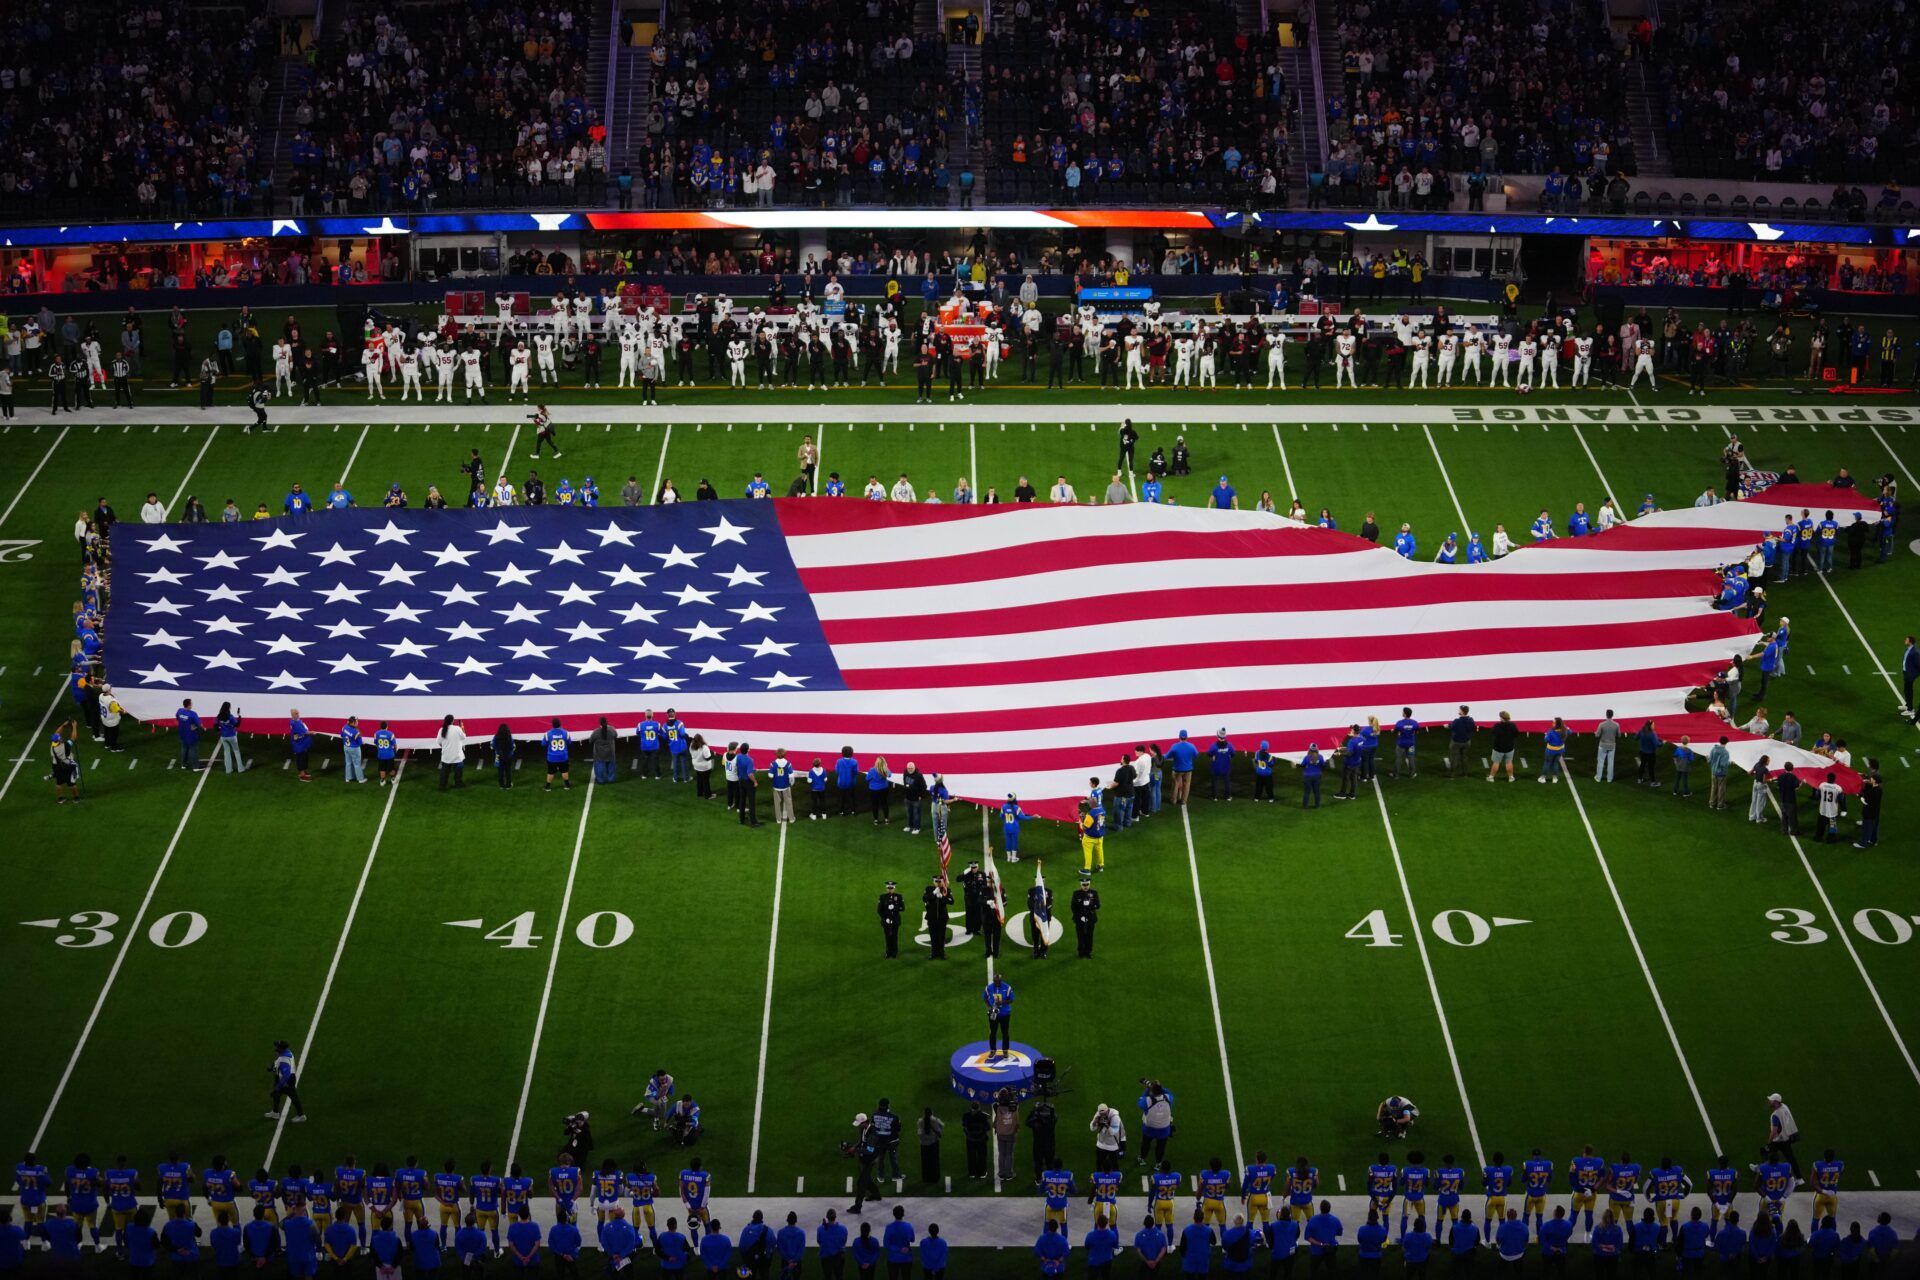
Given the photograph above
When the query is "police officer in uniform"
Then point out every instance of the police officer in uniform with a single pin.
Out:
(973, 891)
(1086, 914)
(891, 907)
(1039, 916)
(122, 386)
(938, 900)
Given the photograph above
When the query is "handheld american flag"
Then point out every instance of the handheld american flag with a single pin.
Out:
(997, 646)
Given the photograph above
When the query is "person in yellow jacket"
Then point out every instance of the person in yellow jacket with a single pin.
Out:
(1093, 837)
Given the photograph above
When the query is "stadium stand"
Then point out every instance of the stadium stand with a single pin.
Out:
(1114, 104)
(1419, 94)
(468, 103)
(797, 102)
(128, 107)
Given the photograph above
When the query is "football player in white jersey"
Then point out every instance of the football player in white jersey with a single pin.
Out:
(1501, 343)
(737, 362)
(370, 361)
(1136, 366)
(518, 362)
(1343, 349)
(1422, 358)
(410, 374)
(543, 344)
(1276, 358)
(283, 368)
(1643, 363)
(475, 384)
(1207, 345)
(1183, 361)
(1550, 360)
(1582, 361)
(1449, 355)
(443, 361)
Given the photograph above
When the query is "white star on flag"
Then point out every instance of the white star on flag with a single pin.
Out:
(165, 542)
(638, 613)
(520, 613)
(352, 630)
(592, 667)
(284, 610)
(162, 637)
(769, 647)
(668, 559)
(340, 592)
(337, 554)
(406, 647)
(451, 554)
(614, 533)
(280, 577)
(465, 631)
(513, 573)
(625, 576)
(712, 665)
(162, 605)
(396, 572)
(286, 680)
(649, 649)
(563, 554)
(536, 683)
(347, 662)
(703, 631)
(231, 626)
(167, 576)
(504, 532)
(781, 680)
(757, 612)
(220, 560)
(574, 594)
(469, 665)
(231, 662)
(658, 681)
(581, 631)
(392, 532)
(740, 575)
(284, 643)
(158, 675)
(691, 595)
(412, 681)
(458, 593)
(402, 612)
(278, 538)
(528, 649)
(727, 531)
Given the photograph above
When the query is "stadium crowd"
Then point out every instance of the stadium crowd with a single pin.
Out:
(477, 103)
(1110, 103)
(798, 102)
(132, 108)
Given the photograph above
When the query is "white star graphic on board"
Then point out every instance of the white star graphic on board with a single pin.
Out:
(350, 663)
(278, 538)
(157, 675)
(224, 623)
(402, 612)
(220, 560)
(703, 631)
(284, 643)
(668, 559)
(581, 631)
(224, 592)
(465, 631)
(638, 613)
(412, 681)
(1761, 231)
(574, 594)
(470, 665)
(344, 628)
(712, 665)
(550, 221)
(287, 680)
(391, 532)
(385, 227)
(512, 573)
(651, 650)
(691, 595)
(287, 225)
(165, 542)
(563, 553)
(1373, 223)
(284, 610)
(781, 680)
(406, 647)
(336, 554)
(231, 662)
(536, 683)
(395, 572)
(167, 576)
(592, 667)
(770, 647)
(280, 577)
(625, 576)
(162, 605)
(458, 593)
(614, 533)
(658, 681)
(741, 575)
(451, 554)
(163, 638)
(727, 531)
(504, 532)
(757, 612)
(340, 591)
(520, 613)
(528, 649)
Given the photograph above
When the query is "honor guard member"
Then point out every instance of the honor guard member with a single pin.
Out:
(973, 893)
(1039, 916)
(938, 901)
(890, 908)
(1086, 914)
(992, 927)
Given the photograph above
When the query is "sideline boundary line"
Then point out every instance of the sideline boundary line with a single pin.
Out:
(1466, 526)
(1213, 990)
(766, 1012)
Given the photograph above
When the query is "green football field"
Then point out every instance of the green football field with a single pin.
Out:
(1534, 966)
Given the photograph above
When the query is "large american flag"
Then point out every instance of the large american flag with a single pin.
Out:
(1014, 649)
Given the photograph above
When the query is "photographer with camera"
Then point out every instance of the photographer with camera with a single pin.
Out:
(1156, 1120)
(579, 1143)
(1109, 1138)
(866, 1148)
(683, 1122)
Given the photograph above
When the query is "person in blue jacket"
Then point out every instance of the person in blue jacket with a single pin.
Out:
(563, 1242)
(1350, 752)
(1369, 747)
(846, 775)
(1476, 550)
(865, 1250)
(933, 1254)
(830, 1238)
(618, 1240)
(679, 741)
(1649, 1234)
(1464, 1237)
(1769, 662)
(1416, 1246)
(1183, 754)
(670, 1246)
(1263, 772)
(188, 721)
(301, 1241)
(470, 1241)
(1372, 1240)
(227, 1243)
(817, 791)
(650, 737)
(1220, 768)
(140, 1244)
(756, 1243)
(790, 1246)
(1236, 1247)
(1449, 552)
(1196, 1246)
(880, 792)
(1312, 765)
(1405, 544)
(716, 1250)
(1543, 527)
(226, 724)
(300, 743)
(898, 1240)
(1511, 1237)
(260, 1237)
(523, 1242)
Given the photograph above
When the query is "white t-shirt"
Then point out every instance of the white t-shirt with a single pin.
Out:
(153, 513)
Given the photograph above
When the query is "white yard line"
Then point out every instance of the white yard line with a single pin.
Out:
(1846, 938)
(33, 741)
(766, 1013)
(1898, 461)
(1606, 485)
(660, 472)
(1285, 466)
(993, 873)
(188, 478)
(1466, 526)
(34, 474)
(346, 470)
(512, 442)
(339, 949)
(819, 457)
(546, 992)
(1419, 931)
(973, 459)
(1213, 991)
(1673, 1037)
(131, 932)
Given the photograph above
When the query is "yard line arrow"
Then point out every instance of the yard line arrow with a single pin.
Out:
(41, 924)
(465, 924)
(1500, 920)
